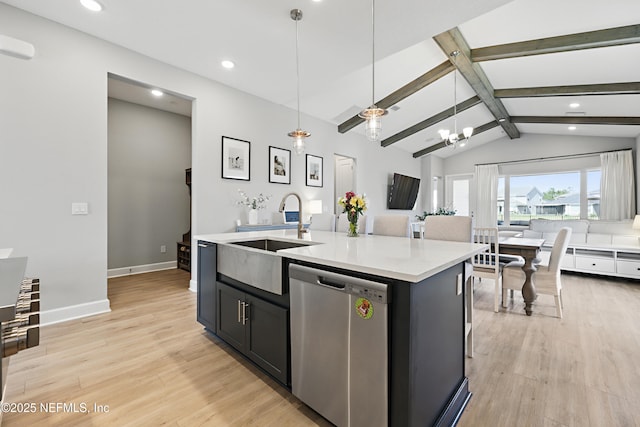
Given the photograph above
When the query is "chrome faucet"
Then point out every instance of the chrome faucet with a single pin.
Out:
(300, 229)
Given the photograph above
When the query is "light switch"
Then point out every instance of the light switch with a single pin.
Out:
(80, 208)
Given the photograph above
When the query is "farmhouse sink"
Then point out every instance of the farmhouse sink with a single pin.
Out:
(270, 245)
(255, 262)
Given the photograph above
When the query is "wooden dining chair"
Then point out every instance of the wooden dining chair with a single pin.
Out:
(546, 278)
(489, 264)
(455, 228)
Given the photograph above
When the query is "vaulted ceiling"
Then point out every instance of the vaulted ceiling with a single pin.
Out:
(502, 69)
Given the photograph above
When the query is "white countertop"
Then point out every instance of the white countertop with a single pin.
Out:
(400, 258)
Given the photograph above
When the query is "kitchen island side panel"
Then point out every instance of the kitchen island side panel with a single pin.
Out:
(428, 382)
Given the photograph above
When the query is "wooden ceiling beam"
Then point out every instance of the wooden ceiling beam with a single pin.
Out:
(485, 127)
(443, 115)
(631, 88)
(451, 41)
(588, 40)
(578, 120)
(402, 93)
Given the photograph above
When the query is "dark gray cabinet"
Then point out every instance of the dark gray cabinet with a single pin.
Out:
(255, 327)
(206, 311)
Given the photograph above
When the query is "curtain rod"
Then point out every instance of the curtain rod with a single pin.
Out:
(573, 156)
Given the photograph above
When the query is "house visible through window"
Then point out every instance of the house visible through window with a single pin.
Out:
(553, 196)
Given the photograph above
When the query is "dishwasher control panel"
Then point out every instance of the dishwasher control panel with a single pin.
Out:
(371, 293)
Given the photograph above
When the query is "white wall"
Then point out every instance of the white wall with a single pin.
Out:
(53, 116)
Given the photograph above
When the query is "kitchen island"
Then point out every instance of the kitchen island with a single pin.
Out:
(426, 322)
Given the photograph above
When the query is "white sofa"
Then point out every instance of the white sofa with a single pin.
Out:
(600, 247)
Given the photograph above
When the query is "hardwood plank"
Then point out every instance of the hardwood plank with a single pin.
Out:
(152, 364)
(587, 40)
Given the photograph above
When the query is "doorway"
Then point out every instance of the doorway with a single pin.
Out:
(345, 179)
(148, 154)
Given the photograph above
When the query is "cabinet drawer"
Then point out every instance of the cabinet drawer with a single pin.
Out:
(595, 264)
(630, 268)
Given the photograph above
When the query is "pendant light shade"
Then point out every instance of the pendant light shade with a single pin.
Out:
(298, 135)
(373, 114)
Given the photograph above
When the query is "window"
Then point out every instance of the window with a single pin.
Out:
(553, 196)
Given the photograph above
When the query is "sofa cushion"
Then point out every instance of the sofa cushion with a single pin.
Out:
(623, 227)
(548, 225)
(598, 239)
(578, 239)
(528, 234)
(549, 238)
(632, 241)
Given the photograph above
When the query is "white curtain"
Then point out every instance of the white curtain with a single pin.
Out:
(617, 191)
(486, 196)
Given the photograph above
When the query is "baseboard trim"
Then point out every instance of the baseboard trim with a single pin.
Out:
(193, 285)
(137, 269)
(57, 315)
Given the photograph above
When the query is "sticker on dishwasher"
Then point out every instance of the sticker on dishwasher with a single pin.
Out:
(364, 308)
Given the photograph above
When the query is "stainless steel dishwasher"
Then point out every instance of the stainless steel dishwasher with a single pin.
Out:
(339, 346)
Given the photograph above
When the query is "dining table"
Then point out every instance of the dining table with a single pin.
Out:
(529, 249)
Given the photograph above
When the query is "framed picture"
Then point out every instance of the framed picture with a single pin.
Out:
(279, 165)
(314, 171)
(236, 158)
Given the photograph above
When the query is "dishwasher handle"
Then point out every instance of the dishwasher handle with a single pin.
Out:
(322, 280)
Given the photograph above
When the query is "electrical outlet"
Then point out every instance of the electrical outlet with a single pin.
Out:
(163, 249)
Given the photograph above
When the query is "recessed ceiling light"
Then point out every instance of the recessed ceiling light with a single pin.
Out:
(157, 92)
(574, 105)
(501, 119)
(228, 64)
(572, 128)
(92, 5)
(316, 1)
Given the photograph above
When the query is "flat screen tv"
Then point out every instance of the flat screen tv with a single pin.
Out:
(403, 192)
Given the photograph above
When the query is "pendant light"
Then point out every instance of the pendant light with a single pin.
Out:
(449, 138)
(298, 135)
(373, 114)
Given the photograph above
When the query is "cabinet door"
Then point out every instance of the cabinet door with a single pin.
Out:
(267, 341)
(206, 312)
(231, 326)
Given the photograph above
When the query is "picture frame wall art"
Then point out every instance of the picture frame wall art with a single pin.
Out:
(236, 159)
(279, 165)
(314, 171)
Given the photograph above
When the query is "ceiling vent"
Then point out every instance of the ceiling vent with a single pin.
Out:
(394, 108)
(575, 113)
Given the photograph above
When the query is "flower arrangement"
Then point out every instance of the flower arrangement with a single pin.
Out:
(439, 211)
(257, 202)
(353, 205)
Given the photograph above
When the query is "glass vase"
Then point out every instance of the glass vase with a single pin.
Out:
(353, 228)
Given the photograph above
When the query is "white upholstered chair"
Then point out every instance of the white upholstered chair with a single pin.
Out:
(448, 227)
(488, 264)
(391, 225)
(323, 221)
(457, 229)
(342, 224)
(546, 278)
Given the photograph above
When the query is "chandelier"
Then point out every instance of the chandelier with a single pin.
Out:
(298, 135)
(373, 114)
(453, 138)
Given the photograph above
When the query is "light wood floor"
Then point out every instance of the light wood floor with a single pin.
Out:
(152, 364)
